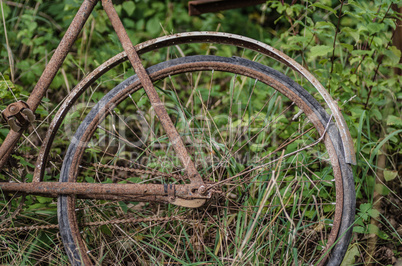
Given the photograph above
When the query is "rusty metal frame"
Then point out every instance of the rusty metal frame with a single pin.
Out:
(190, 37)
(54, 189)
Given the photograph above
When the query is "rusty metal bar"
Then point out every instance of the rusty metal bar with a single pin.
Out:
(96, 190)
(210, 6)
(50, 72)
(156, 102)
(111, 197)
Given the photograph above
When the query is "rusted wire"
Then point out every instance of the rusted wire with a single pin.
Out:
(100, 223)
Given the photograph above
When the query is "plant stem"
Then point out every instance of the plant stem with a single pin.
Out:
(370, 42)
(376, 71)
(336, 34)
(378, 190)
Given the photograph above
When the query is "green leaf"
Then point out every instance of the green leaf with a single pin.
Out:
(378, 41)
(153, 26)
(90, 179)
(23, 161)
(5, 84)
(329, 208)
(129, 7)
(43, 199)
(377, 148)
(358, 229)
(357, 111)
(373, 213)
(349, 47)
(393, 55)
(320, 50)
(106, 230)
(123, 206)
(324, 25)
(373, 229)
(365, 207)
(376, 113)
(390, 175)
(381, 189)
(36, 207)
(319, 5)
(350, 255)
(134, 179)
(352, 33)
(108, 181)
(362, 52)
(394, 121)
(118, 9)
(374, 27)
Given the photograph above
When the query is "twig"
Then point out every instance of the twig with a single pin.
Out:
(377, 196)
(368, 44)
(9, 52)
(336, 34)
(376, 71)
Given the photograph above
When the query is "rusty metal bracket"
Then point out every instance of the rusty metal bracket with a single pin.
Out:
(188, 202)
(195, 203)
(18, 115)
(171, 191)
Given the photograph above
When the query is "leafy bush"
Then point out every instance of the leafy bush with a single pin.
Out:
(348, 46)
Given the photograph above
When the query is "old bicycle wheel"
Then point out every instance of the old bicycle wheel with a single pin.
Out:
(282, 193)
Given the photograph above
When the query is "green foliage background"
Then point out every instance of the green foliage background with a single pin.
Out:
(347, 46)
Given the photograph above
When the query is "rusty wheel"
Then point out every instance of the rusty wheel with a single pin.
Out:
(268, 151)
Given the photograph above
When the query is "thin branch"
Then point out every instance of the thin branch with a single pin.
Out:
(336, 34)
